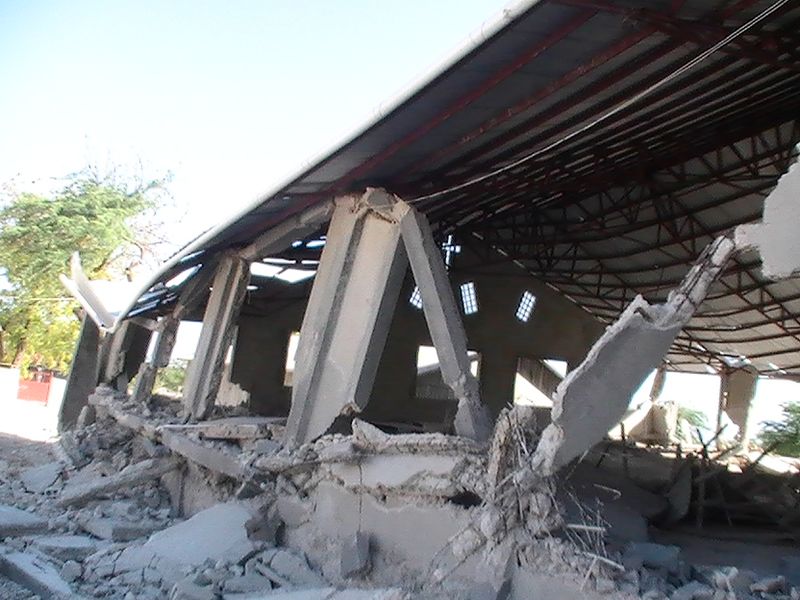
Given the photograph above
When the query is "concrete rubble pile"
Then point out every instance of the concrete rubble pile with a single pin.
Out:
(148, 507)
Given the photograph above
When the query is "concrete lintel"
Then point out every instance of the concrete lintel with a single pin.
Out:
(348, 315)
(444, 322)
(281, 236)
(205, 371)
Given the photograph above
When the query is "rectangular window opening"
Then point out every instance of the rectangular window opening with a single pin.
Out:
(416, 298)
(525, 307)
(469, 298)
(291, 351)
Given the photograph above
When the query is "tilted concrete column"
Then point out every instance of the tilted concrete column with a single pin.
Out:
(219, 320)
(737, 389)
(83, 374)
(123, 352)
(348, 315)
(167, 332)
(444, 322)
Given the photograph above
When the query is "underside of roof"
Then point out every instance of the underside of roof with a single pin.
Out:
(573, 143)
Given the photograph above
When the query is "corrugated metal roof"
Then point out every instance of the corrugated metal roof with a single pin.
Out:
(622, 208)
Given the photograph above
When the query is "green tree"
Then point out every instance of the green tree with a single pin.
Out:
(105, 218)
(783, 437)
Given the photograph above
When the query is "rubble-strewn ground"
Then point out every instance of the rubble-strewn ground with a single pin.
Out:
(102, 519)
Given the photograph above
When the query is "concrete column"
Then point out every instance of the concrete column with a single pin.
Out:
(737, 389)
(167, 331)
(83, 374)
(348, 315)
(498, 372)
(219, 320)
(125, 351)
(444, 322)
(658, 384)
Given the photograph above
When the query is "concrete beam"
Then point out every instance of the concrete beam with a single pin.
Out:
(206, 370)
(348, 315)
(83, 374)
(594, 397)
(444, 322)
(281, 236)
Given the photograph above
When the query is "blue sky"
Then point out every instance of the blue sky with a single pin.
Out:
(231, 97)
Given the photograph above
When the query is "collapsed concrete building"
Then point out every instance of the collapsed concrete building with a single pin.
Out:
(592, 182)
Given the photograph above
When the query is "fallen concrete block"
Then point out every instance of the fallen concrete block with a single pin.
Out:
(217, 533)
(295, 568)
(769, 585)
(250, 582)
(132, 475)
(66, 547)
(34, 574)
(70, 571)
(188, 590)
(118, 530)
(14, 522)
(655, 556)
(38, 479)
(354, 556)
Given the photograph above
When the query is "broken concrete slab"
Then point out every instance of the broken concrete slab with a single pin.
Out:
(217, 533)
(294, 568)
(412, 472)
(39, 479)
(66, 547)
(35, 574)
(775, 238)
(593, 397)
(15, 522)
(132, 475)
(231, 428)
(118, 530)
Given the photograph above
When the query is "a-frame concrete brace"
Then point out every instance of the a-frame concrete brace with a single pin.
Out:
(350, 309)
